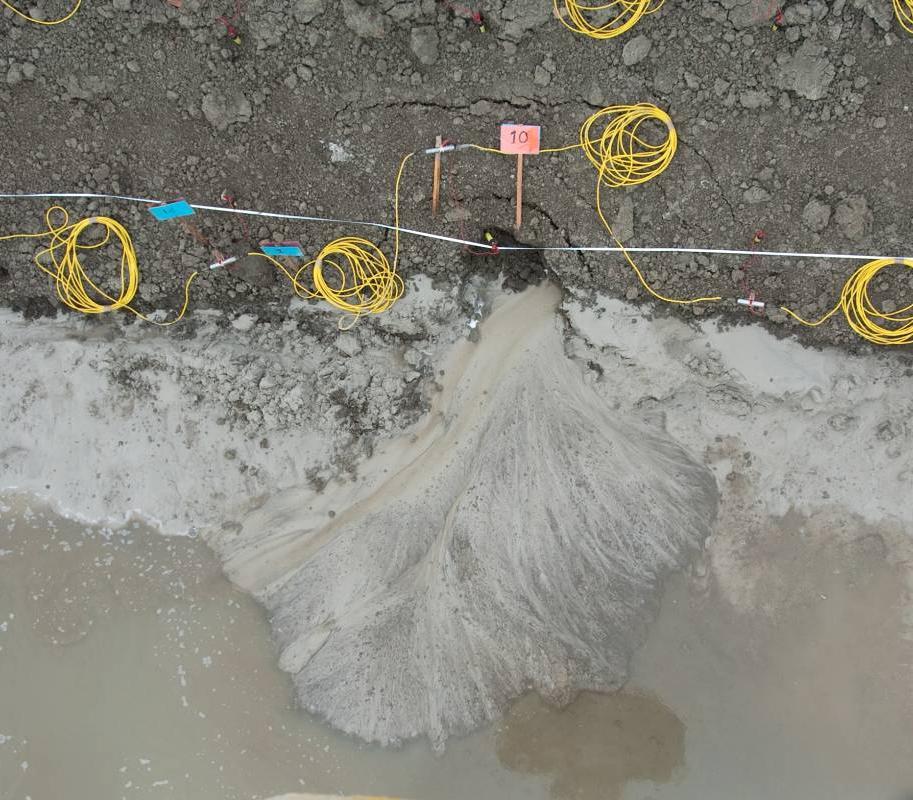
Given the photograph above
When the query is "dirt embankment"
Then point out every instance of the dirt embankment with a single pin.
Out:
(801, 131)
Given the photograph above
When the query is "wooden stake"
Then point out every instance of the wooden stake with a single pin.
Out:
(518, 218)
(436, 186)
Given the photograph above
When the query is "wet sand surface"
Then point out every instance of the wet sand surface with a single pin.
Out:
(130, 667)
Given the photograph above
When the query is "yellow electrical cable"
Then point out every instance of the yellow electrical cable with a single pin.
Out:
(46, 22)
(904, 11)
(361, 279)
(74, 287)
(619, 16)
(623, 156)
(860, 312)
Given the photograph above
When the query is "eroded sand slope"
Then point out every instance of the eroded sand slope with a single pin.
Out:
(515, 540)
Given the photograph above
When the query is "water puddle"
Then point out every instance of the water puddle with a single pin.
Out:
(594, 747)
(131, 668)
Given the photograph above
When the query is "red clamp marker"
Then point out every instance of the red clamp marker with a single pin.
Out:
(229, 22)
(492, 244)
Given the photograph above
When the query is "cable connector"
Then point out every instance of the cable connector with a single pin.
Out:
(751, 303)
(224, 262)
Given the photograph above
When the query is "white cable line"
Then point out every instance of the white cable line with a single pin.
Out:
(453, 240)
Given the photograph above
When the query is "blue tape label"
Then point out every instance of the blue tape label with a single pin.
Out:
(282, 249)
(179, 208)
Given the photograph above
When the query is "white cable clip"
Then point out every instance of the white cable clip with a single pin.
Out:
(750, 303)
(445, 149)
(224, 263)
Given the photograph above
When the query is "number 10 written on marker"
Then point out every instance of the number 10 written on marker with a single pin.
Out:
(520, 139)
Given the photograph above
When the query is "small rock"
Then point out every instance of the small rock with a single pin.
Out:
(222, 109)
(347, 344)
(423, 40)
(754, 99)
(101, 173)
(808, 72)
(254, 271)
(243, 323)
(816, 215)
(307, 10)
(624, 220)
(365, 22)
(853, 217)
(636, 50)
(756, 194)
(518, 17)
(480, 108)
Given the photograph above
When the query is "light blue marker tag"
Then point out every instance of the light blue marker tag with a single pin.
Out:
(283, 249)
(179, 208)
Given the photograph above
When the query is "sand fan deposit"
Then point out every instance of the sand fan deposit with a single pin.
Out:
(515, 538)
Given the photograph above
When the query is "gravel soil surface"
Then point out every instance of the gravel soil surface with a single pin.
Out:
(805, 131)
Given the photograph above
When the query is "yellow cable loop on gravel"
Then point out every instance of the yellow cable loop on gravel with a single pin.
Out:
(624, 156)
(904, 11)
(352, 274)
(46, 22)
(615, 17)
(871, 323)
(74, 287)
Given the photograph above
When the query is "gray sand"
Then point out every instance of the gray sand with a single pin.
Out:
(207, 431)
(514, 540)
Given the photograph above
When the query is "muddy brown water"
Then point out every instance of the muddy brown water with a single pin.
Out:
(130, 668)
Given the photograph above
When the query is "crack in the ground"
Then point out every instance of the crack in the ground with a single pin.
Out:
(713, 177)
(561, 231)
(432, 104)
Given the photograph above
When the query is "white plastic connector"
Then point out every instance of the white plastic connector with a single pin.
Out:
(750, 303)
(224, 263)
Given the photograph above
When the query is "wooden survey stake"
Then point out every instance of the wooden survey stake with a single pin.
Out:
(436, 186)
(518, 217)
(522, 140)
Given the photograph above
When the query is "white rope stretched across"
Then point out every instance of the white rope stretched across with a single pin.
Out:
(454, 240)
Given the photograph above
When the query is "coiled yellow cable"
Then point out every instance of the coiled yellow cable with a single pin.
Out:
(623, 156)
(860, 311)
(46, 22)
(74, 287)
(621, 16)
(361, 279)
(904, 11)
